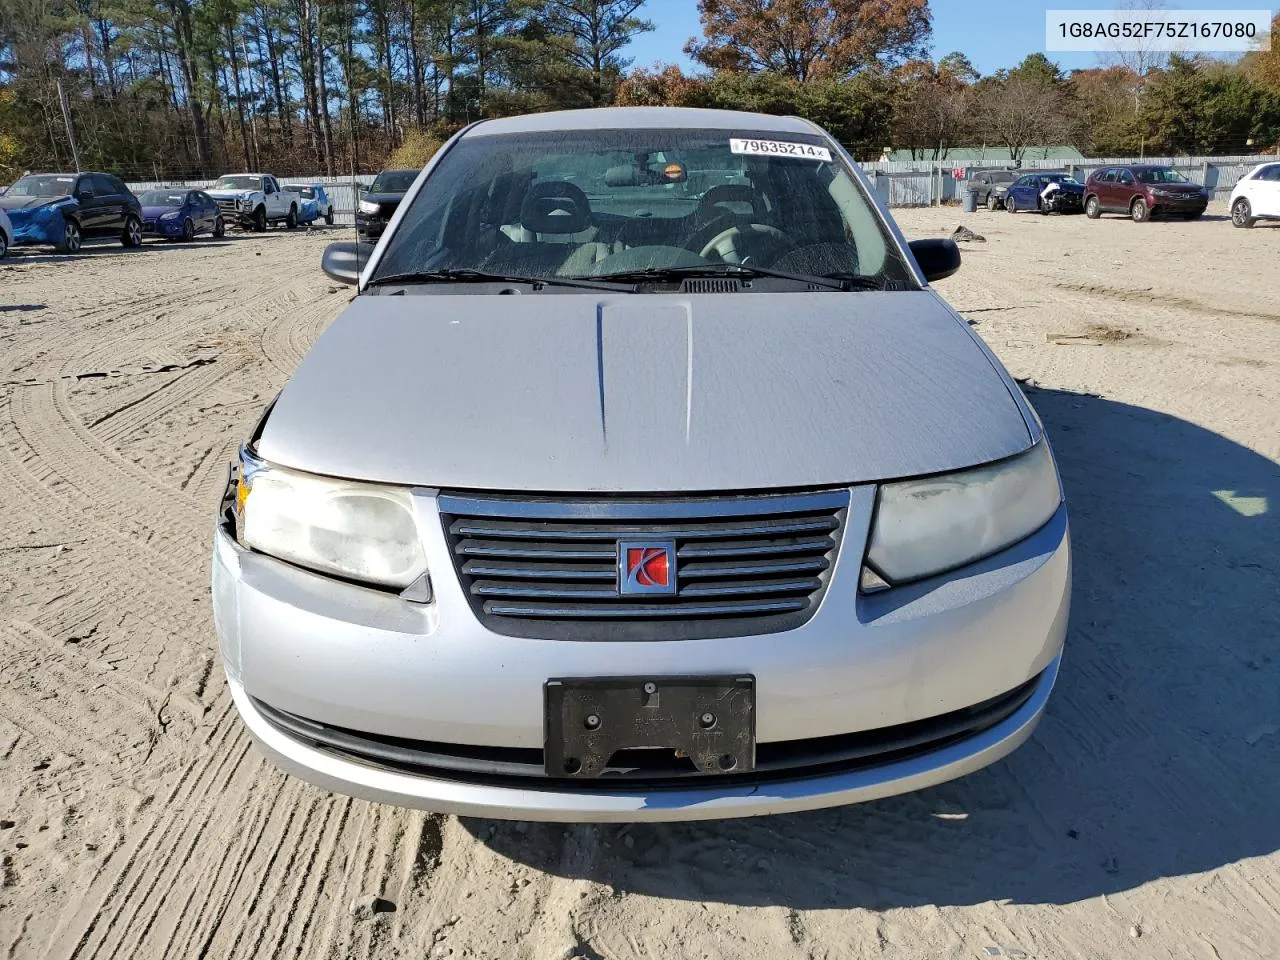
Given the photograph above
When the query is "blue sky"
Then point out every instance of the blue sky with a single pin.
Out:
(992, 33)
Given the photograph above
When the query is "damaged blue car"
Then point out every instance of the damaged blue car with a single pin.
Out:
(65, 209)
(177, 213)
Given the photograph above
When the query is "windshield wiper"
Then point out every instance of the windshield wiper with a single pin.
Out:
(848, 281)
(462, 275)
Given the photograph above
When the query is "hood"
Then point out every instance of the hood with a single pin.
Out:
(1071, 187)
(229, 194)
(644, 393)
(27, 203)
(153, 213)
(390, 199)
(1193, 189)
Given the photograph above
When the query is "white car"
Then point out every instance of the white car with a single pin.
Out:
(255, 199)
(6, 234)
(1257, 196)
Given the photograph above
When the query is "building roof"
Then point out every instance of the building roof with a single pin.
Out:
(992, 156)
(637, 118)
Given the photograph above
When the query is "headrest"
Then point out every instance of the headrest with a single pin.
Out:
(555, 206)
(730, 193)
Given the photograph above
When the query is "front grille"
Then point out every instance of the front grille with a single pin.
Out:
(548, 567)
(227, 206)
(651, 769)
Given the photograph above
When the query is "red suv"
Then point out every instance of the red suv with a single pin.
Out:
(1143, 191)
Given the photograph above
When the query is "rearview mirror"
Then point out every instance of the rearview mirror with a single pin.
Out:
(938, 258)
(343, 261)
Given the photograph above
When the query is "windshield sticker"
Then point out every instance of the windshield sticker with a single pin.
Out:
(778, 148)
(65, 179)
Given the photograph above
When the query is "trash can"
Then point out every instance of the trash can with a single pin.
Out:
(970, 202)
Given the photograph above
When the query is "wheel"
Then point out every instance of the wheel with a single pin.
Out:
(1092, 209)
(70, 238)
(328, 217)
(1139, 210)
(4, 244)
(1010, 204)
(260, 219)
(219, 227)
(992, 203)
(1242, 213)
(188, 230)
(291, 221)
(131, 235)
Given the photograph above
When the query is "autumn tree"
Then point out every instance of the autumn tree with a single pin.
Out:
(808, 39)
(1029, 105)
(1263, 66)
(1108, 97)
(930, 112)
(663, 86)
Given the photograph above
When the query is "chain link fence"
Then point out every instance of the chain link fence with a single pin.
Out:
(344, 192)
(899, 183)
(923, 183)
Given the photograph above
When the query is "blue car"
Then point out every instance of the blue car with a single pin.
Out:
(63, 209)
(1045, 192)
(180, 214)
(315, 202)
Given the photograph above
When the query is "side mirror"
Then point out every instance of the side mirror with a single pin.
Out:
(343, 261)
(938, 258)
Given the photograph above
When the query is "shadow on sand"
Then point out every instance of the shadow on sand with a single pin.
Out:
(1159, 755)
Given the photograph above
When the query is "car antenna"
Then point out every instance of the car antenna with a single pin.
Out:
(355, 206)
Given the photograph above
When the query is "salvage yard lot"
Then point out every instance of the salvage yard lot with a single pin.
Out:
(136, 819)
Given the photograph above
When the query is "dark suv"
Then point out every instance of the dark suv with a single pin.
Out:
(64, 209)
(1143, 191)
(380, 203)
(991, 185)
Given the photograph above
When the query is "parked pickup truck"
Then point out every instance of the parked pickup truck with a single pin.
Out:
(255, 199)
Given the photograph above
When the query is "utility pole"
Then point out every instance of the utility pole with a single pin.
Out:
(66, 117)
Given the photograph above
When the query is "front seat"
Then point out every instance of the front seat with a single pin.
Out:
(552, 214)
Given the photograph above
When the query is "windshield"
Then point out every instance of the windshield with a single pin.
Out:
(49, 185)
(238, 183)
(308, 193)
(1161, 175)
(162, 198)
(1060, 178)
(394, 181)
(600, 202)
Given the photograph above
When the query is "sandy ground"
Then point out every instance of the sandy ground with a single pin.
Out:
(137, 820)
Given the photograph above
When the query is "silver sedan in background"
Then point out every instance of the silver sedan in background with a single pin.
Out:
(646, 478)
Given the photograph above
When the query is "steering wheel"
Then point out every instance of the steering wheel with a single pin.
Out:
(733, 246)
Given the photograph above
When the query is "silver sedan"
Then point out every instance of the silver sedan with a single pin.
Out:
(646, 478)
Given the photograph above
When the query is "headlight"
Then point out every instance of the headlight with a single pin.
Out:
(928, 526)
(171, 215)
(361, 531)
(368, 207)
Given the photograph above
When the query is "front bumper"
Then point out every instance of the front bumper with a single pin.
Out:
(39, 226)
(367, 661)
(369, 227)
(1192, 204)
(162, 228)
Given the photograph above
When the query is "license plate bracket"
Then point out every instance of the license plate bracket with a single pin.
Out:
(711, 720)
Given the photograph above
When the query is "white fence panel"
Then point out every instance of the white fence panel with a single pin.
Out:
(343, 191)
